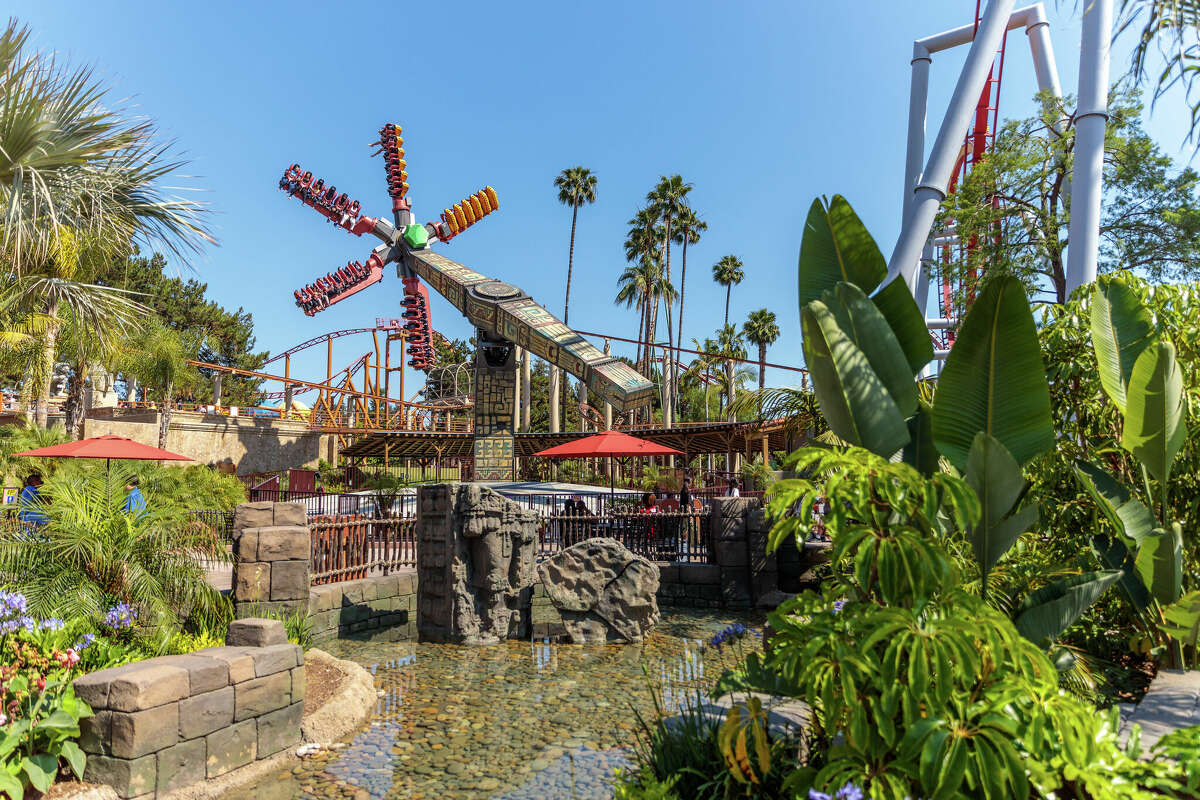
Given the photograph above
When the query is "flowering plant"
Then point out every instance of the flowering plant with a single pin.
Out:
(39, 713)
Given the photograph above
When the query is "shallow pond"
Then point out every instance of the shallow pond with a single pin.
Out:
(509, 721)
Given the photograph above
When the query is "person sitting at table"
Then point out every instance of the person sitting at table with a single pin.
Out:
(33, 504)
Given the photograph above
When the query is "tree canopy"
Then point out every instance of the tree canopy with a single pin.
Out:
(183, 306)
(1015, 203)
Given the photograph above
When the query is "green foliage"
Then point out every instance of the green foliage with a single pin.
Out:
(689, 755)
(19, 438)
(182, 306)
(1149, 221)
(39, 717)
(92, 553)
(994, 380)
(919, 689)
(991, 411)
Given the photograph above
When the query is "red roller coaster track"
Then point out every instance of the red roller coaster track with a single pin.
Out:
(979, 139)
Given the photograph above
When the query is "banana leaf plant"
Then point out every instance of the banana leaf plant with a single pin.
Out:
(866, 345)
(1141, 377)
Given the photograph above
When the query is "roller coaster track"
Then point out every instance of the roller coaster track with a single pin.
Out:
(318, 340)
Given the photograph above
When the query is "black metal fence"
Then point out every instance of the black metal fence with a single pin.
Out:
(667, 536)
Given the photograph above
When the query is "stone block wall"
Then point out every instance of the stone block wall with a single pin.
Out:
(170, 722)
(271, 549)
(690, 585)
(379, 608)
(738, 538)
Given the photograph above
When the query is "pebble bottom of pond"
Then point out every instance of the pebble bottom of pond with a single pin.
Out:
(510, 721)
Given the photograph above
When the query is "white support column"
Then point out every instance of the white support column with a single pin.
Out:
(526, 386)
(918, 100)
(555, 396)
(1044, 65)
(1091, 118)
(935, 178)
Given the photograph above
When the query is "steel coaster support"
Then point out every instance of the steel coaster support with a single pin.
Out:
(1091, 120)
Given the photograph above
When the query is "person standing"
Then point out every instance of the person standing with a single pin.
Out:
(733, 490)
(135, 501)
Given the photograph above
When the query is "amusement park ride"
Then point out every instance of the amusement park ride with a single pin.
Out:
(504, 316)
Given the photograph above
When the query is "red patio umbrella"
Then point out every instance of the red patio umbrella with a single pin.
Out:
(609, 443)
(107, 447)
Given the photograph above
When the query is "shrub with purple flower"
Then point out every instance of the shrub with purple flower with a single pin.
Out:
(847, 792)
(732, 633)
(120, 617)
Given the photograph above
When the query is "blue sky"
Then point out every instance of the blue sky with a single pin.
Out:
(761, 105)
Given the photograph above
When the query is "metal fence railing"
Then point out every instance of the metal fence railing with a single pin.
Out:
(351, 546)
(666, 536)
(220, 522)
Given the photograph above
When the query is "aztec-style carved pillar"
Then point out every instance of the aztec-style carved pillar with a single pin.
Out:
(495, 407)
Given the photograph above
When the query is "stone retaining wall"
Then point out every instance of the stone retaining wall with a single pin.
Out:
(690, 585)
(170, 722)
(380, 608)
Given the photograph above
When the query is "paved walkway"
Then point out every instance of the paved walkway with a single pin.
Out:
(1172, 703)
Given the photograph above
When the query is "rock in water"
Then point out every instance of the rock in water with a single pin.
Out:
(603, 592)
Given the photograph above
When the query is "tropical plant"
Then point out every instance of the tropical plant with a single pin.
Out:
(991, 412)
(1138, 371)
(72, 162)
(668, 199)
(57, 291)
(19, 438)
(643, 249)
(918, 688)
(576, 187)
(1170, 27)
(728, 272)
(761, 330)
(93, 554)
(158, 358)
(688, 229)
(731, 345)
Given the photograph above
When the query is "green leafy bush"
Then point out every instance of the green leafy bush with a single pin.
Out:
(918, 688)
(93, 554)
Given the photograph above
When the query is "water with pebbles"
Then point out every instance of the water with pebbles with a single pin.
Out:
(510, 721)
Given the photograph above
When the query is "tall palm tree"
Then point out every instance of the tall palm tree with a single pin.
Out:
(633, 291)
(728, 272)
(58, 289)
(668, 199)
(760, 329)
(687, 231)
(643, 246)
(576, 187)
(730, 345)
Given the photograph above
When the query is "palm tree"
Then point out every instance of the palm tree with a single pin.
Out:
(760, 329)
(576, 186)
(159, 359)
(633, 287)
(687, 231)
(93, 554)
(728, 272)
(57, 290)
(643, 247)
(71, 161)
(730, 345)
(667, 199)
